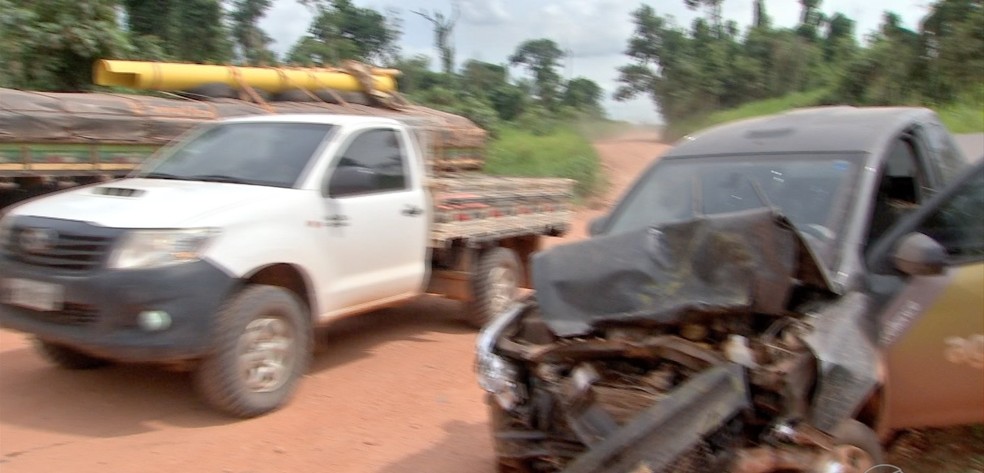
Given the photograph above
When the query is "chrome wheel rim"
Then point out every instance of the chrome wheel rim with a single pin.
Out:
(503, 289)
(265, 359)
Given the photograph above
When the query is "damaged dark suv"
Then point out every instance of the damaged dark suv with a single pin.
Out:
(778, 294)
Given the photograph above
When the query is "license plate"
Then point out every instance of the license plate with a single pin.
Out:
(31, 294)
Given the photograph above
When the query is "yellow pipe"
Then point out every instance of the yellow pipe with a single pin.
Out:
(176, 76)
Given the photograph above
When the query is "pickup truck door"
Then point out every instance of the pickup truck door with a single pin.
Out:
(377, 224)
(933, 324)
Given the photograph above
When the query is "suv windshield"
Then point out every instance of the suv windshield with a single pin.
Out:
(811, 191)
(267, 154)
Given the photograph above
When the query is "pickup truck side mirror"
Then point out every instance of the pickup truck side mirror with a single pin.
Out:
(352, 180)
(919, 255)
(597, 224)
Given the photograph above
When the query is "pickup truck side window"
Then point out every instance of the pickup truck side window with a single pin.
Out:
(958, 224)
(378, 153)
(900, 188)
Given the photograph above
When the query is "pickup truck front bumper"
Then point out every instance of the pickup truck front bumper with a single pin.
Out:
(99, 309)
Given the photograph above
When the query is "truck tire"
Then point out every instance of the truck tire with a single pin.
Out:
(68, 358)
(856, 449)
(261, 349)
(494, 285)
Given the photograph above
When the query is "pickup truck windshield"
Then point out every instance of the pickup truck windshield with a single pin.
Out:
(811, 191)
(266, 154)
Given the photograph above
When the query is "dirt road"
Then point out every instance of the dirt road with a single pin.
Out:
(388, 392)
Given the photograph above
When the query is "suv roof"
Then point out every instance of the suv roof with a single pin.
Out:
(819, 129)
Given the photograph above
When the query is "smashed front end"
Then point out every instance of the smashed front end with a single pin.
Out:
(713, 344)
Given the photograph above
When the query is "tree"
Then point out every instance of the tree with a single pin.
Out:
(416, 75)
(760, 19)
(443, 28)
(343, 31)
(811, 20)
(199, 33)
(883, 73)
(839, 42)
(541, 56)
(483, 77)
(189, 30)
(713, 8)
(253, 43)
(51, 44)
(952, 43)
(584, 95)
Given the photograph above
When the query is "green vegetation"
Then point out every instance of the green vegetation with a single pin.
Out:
(692, 73)
(560, 152)
(51, 45)
(748, 110)
(963, 116)
(710, 71)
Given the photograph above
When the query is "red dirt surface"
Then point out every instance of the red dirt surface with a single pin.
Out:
(388, 392)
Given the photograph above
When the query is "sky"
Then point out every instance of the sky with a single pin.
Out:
(594, 32)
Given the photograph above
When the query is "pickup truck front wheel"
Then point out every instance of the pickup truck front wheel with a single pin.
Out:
(856, 450)
(261, 349)
(495, 285)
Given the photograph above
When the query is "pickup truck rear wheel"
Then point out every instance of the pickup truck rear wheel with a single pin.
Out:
(495, 285)
(261, 349)
(68, 358)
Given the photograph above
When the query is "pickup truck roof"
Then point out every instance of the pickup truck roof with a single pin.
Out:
(820, 129)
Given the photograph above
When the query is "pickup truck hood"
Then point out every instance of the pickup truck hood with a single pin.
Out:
(145, 203)
(746, 261)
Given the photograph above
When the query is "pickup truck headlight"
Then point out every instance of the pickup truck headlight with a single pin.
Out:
(501, 379)
(496, 375)
(156, 248)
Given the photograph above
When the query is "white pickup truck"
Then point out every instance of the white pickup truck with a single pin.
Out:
(225, 250)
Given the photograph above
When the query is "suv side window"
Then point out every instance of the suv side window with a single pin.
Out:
(900, 188)
(958, 224)
(381, 153)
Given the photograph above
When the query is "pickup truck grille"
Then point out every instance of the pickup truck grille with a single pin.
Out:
(59, 244)
(72, 313)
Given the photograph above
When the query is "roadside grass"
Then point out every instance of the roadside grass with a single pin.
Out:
(966, 115)
(560, 152)
(748, 110)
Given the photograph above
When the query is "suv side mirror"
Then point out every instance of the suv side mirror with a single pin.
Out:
(597, 224)
(352, 180)
(919, 255)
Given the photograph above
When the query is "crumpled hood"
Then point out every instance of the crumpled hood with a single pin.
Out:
(712, 265)
(145, 203)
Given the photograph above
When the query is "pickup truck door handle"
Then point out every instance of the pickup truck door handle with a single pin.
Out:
(336, 220)
(412, 211)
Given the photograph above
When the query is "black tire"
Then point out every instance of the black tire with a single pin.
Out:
(494, 285)
(68, 358)
(857, 447)
(265, 311)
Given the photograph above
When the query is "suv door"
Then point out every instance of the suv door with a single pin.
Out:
(932, 327)
(374, 207)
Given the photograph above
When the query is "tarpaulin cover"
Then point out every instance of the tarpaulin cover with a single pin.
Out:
(746, 261)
